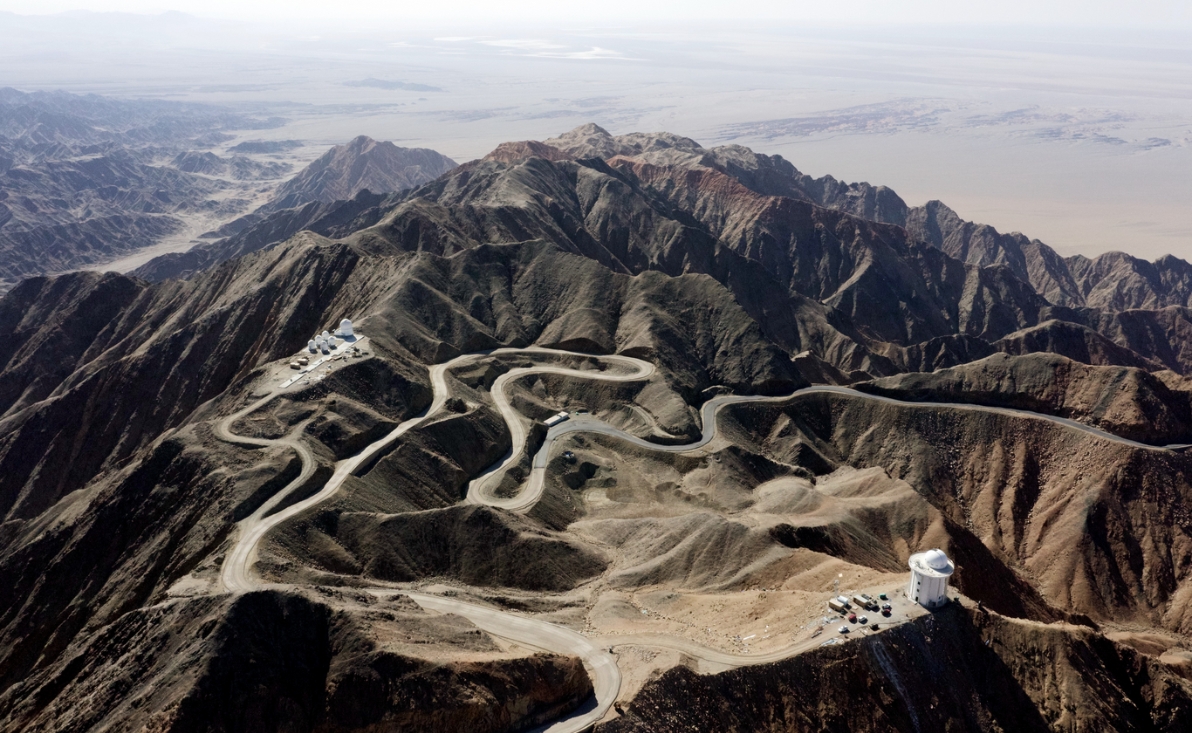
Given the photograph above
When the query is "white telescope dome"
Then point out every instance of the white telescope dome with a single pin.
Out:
(311, 345)
(936, 559)
(325, 335)
(345, 328)
(929, 578)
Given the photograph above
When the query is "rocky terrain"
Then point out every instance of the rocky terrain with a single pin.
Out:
(86, 179)
(339, 193)
(956, 671)
(1125, 401)
(725, 272)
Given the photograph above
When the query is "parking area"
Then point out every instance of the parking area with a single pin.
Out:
(864, 612)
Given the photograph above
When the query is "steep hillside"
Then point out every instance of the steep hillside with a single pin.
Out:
(1114, 281)
(124, 501)
(1096, 527)
(860, 295)
(957, 670)
(1124, 401)
(360, 165)
(335, 195)
(286, 661)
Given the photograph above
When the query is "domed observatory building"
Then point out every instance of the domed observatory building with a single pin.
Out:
(345, 330)
(929, 578)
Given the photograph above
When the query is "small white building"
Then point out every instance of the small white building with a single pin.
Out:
(929, 578)
(345, 329)
(554, 420)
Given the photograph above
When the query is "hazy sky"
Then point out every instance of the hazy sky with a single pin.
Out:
(1111, 13)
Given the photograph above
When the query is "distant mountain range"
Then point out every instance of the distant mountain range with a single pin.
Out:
(86, 179)
(346, 180)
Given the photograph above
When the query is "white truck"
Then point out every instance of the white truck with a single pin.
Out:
(554, 420)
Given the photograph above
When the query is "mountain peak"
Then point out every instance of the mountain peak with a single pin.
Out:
(362, 163)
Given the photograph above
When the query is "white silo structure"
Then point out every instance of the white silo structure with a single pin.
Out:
(312, 346)
(929, 578)
(345, 329)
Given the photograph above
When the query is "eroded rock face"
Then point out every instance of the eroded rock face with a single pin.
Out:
(1128, 402)
(359, 165)
(1098, 526)
(956, 670)
(726, 270)
(287, 661)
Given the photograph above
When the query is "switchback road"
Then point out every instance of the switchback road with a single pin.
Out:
(237, 573)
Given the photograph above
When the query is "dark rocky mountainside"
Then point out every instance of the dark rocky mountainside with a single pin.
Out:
(811, 261)
(727, 271)
(164, 351)
(285, 661)
(1113, 281)
(960, 671)
(332, 196)
(359, 165)
(1124, 401)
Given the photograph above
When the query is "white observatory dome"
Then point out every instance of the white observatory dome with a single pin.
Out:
(345, 328)
(312, 346)
(929, 578)
(326, 336)
(936, 559)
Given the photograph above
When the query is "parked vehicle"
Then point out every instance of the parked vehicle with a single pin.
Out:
(844, 629)
(852, 618)
(864, 620)
(874, 627)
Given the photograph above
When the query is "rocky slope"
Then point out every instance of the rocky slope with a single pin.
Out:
(118, 502)
(359, 165)
(1080, 523)
(957, 670)
(1124, 401)
(337, 194)
(1113, 281)
(286, 661)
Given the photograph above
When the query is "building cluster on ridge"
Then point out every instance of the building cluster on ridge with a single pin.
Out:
(325, 342)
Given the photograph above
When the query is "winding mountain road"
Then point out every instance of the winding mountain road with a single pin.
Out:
(237, 576)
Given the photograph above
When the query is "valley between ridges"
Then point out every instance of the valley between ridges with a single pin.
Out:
(236, 574)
